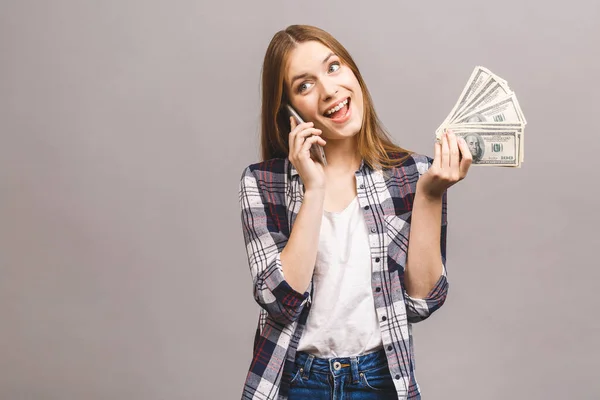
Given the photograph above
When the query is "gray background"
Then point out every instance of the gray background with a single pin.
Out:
(125, 126)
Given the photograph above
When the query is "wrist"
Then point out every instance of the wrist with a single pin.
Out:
(315, 192)
(427, 195)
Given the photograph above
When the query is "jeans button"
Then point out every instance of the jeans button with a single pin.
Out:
(337, 366)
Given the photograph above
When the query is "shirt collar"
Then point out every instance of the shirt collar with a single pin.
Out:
(294, 172)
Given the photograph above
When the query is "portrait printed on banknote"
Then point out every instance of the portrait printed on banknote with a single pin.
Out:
(476, 145)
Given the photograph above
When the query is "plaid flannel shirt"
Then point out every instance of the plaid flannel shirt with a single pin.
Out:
(270, 195)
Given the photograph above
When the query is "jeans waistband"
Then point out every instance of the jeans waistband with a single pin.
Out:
(341, 365)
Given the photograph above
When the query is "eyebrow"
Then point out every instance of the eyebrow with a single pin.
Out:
(305, 74)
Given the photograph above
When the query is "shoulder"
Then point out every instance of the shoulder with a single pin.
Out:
(276, 167)
(267, 176)
(273, 166)
(410, 164)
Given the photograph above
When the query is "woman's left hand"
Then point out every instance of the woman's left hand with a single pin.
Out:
(447, 168)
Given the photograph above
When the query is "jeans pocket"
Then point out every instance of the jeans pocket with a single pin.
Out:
(296, 376)
(377, 379)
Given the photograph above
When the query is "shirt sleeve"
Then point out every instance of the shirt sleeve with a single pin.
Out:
(264, 242)
(419, 309)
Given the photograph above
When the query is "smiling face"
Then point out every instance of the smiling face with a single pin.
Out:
(324, 90)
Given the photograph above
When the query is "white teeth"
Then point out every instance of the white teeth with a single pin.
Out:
(337, 108)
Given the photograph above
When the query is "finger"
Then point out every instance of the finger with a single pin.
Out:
(312, 140)
(304, 129)
(303, 135)
(300, 127)
(297, 128)
(437, 154)
(454, 152)
(307, 130)
(467, 158)
(445, 161)
(320, 141)
(292, 134)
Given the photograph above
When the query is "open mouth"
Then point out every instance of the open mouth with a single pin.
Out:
(339, 111)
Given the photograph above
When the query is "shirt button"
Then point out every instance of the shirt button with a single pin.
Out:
(366, 207)
(373, 230)
(378, 289)
(397, 377)
(383, 318)
(377, 259)
(389, 348)
(362, 186)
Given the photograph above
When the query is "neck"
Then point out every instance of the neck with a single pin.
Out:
(342, 155)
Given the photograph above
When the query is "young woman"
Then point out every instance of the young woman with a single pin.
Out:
(328, 244)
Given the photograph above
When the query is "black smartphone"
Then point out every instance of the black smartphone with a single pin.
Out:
(316, 150)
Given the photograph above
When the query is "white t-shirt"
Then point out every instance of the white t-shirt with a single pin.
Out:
(342, 321)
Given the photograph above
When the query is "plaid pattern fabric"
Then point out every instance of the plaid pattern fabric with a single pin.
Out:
(270, 195)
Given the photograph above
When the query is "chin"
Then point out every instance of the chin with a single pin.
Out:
(347, 131)
(352, 129)
(341, 134)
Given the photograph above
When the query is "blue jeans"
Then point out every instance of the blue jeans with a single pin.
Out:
(365, 377)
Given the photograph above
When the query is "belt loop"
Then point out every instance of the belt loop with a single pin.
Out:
(354, 368)
(307, 366)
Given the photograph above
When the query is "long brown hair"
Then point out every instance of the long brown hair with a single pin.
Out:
(374, 143)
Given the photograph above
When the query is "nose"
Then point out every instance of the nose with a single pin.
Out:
(328, 89)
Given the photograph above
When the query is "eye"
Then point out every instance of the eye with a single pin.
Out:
(334, 66)
(302, 87)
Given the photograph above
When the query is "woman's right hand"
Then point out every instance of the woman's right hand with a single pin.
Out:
(300, 140)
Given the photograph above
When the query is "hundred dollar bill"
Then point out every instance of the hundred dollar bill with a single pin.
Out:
(489, 126)
(519, 128)
(506, 109)
(488, 108)
(476, 80)
(493, 148)
(491, 91)
(510, 126)
(521, 138)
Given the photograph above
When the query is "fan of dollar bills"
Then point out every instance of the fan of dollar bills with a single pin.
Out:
(488, 116)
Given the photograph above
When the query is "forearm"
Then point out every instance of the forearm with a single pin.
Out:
(300, 253)
(424, 260)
